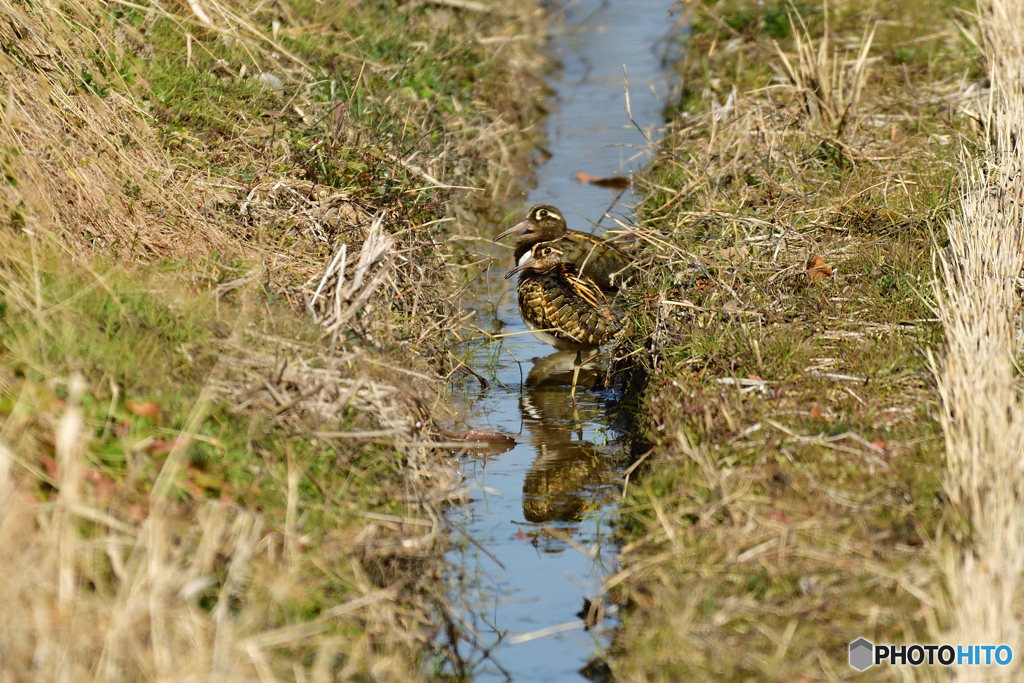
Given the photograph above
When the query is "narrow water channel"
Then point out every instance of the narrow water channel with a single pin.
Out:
(536, 537)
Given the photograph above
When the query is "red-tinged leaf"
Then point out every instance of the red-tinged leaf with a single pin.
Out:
(104, 488)
(754, 377)
(161, 447)
(50, 464)
(484, 436)
(122, 428)
(137, 512)
(520, 536)
(615, 182)
(781, 516)
(147, 409)
(815, 414)
(817, 270)
(880, 445)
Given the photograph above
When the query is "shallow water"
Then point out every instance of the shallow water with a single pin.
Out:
(536, 537)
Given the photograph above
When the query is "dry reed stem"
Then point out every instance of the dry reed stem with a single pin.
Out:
(982, 414)
(828, 87)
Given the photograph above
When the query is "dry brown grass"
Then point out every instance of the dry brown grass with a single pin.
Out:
(280, 518)
(828, 87)
(794, 490)
(982, 417)
(78, 164)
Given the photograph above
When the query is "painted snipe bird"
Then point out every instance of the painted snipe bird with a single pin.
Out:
(605, 264)
(561, 307)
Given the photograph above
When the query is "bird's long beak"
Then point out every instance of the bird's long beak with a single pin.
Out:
(522, 266)
(521, 226)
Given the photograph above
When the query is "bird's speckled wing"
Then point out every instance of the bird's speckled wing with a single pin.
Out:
(604, 263)
(571, 307)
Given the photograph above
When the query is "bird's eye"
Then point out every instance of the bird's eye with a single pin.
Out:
(542, 213)
(547, 251)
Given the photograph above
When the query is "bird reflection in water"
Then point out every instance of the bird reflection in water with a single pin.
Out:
(559, 486)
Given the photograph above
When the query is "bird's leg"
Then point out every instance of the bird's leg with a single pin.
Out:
(576, 365)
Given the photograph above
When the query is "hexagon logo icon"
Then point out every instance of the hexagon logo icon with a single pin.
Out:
(861, 654)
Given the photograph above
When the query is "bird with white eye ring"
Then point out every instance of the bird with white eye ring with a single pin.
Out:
(563, 308)
(604, 263)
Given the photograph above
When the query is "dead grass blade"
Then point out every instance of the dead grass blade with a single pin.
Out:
(829, 86)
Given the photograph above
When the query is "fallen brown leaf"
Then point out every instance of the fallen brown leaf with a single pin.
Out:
(137, 512)
(734, 254)
(817, 270)
(779, 515)
(104, 488)
(484, 436)
(616, 182)
(161, 447)
(143, 409)
(50, 464)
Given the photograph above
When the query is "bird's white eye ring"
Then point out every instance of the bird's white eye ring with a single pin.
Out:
(543, 213)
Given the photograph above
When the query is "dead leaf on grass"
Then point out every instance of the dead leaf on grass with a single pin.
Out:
(104, 488)
(137, 512)
(161, 447)
(817, 270)
(50, 464)
(734, 254)
(143, 409)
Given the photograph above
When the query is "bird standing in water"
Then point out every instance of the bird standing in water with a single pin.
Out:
(561, 307)
(605, 264)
